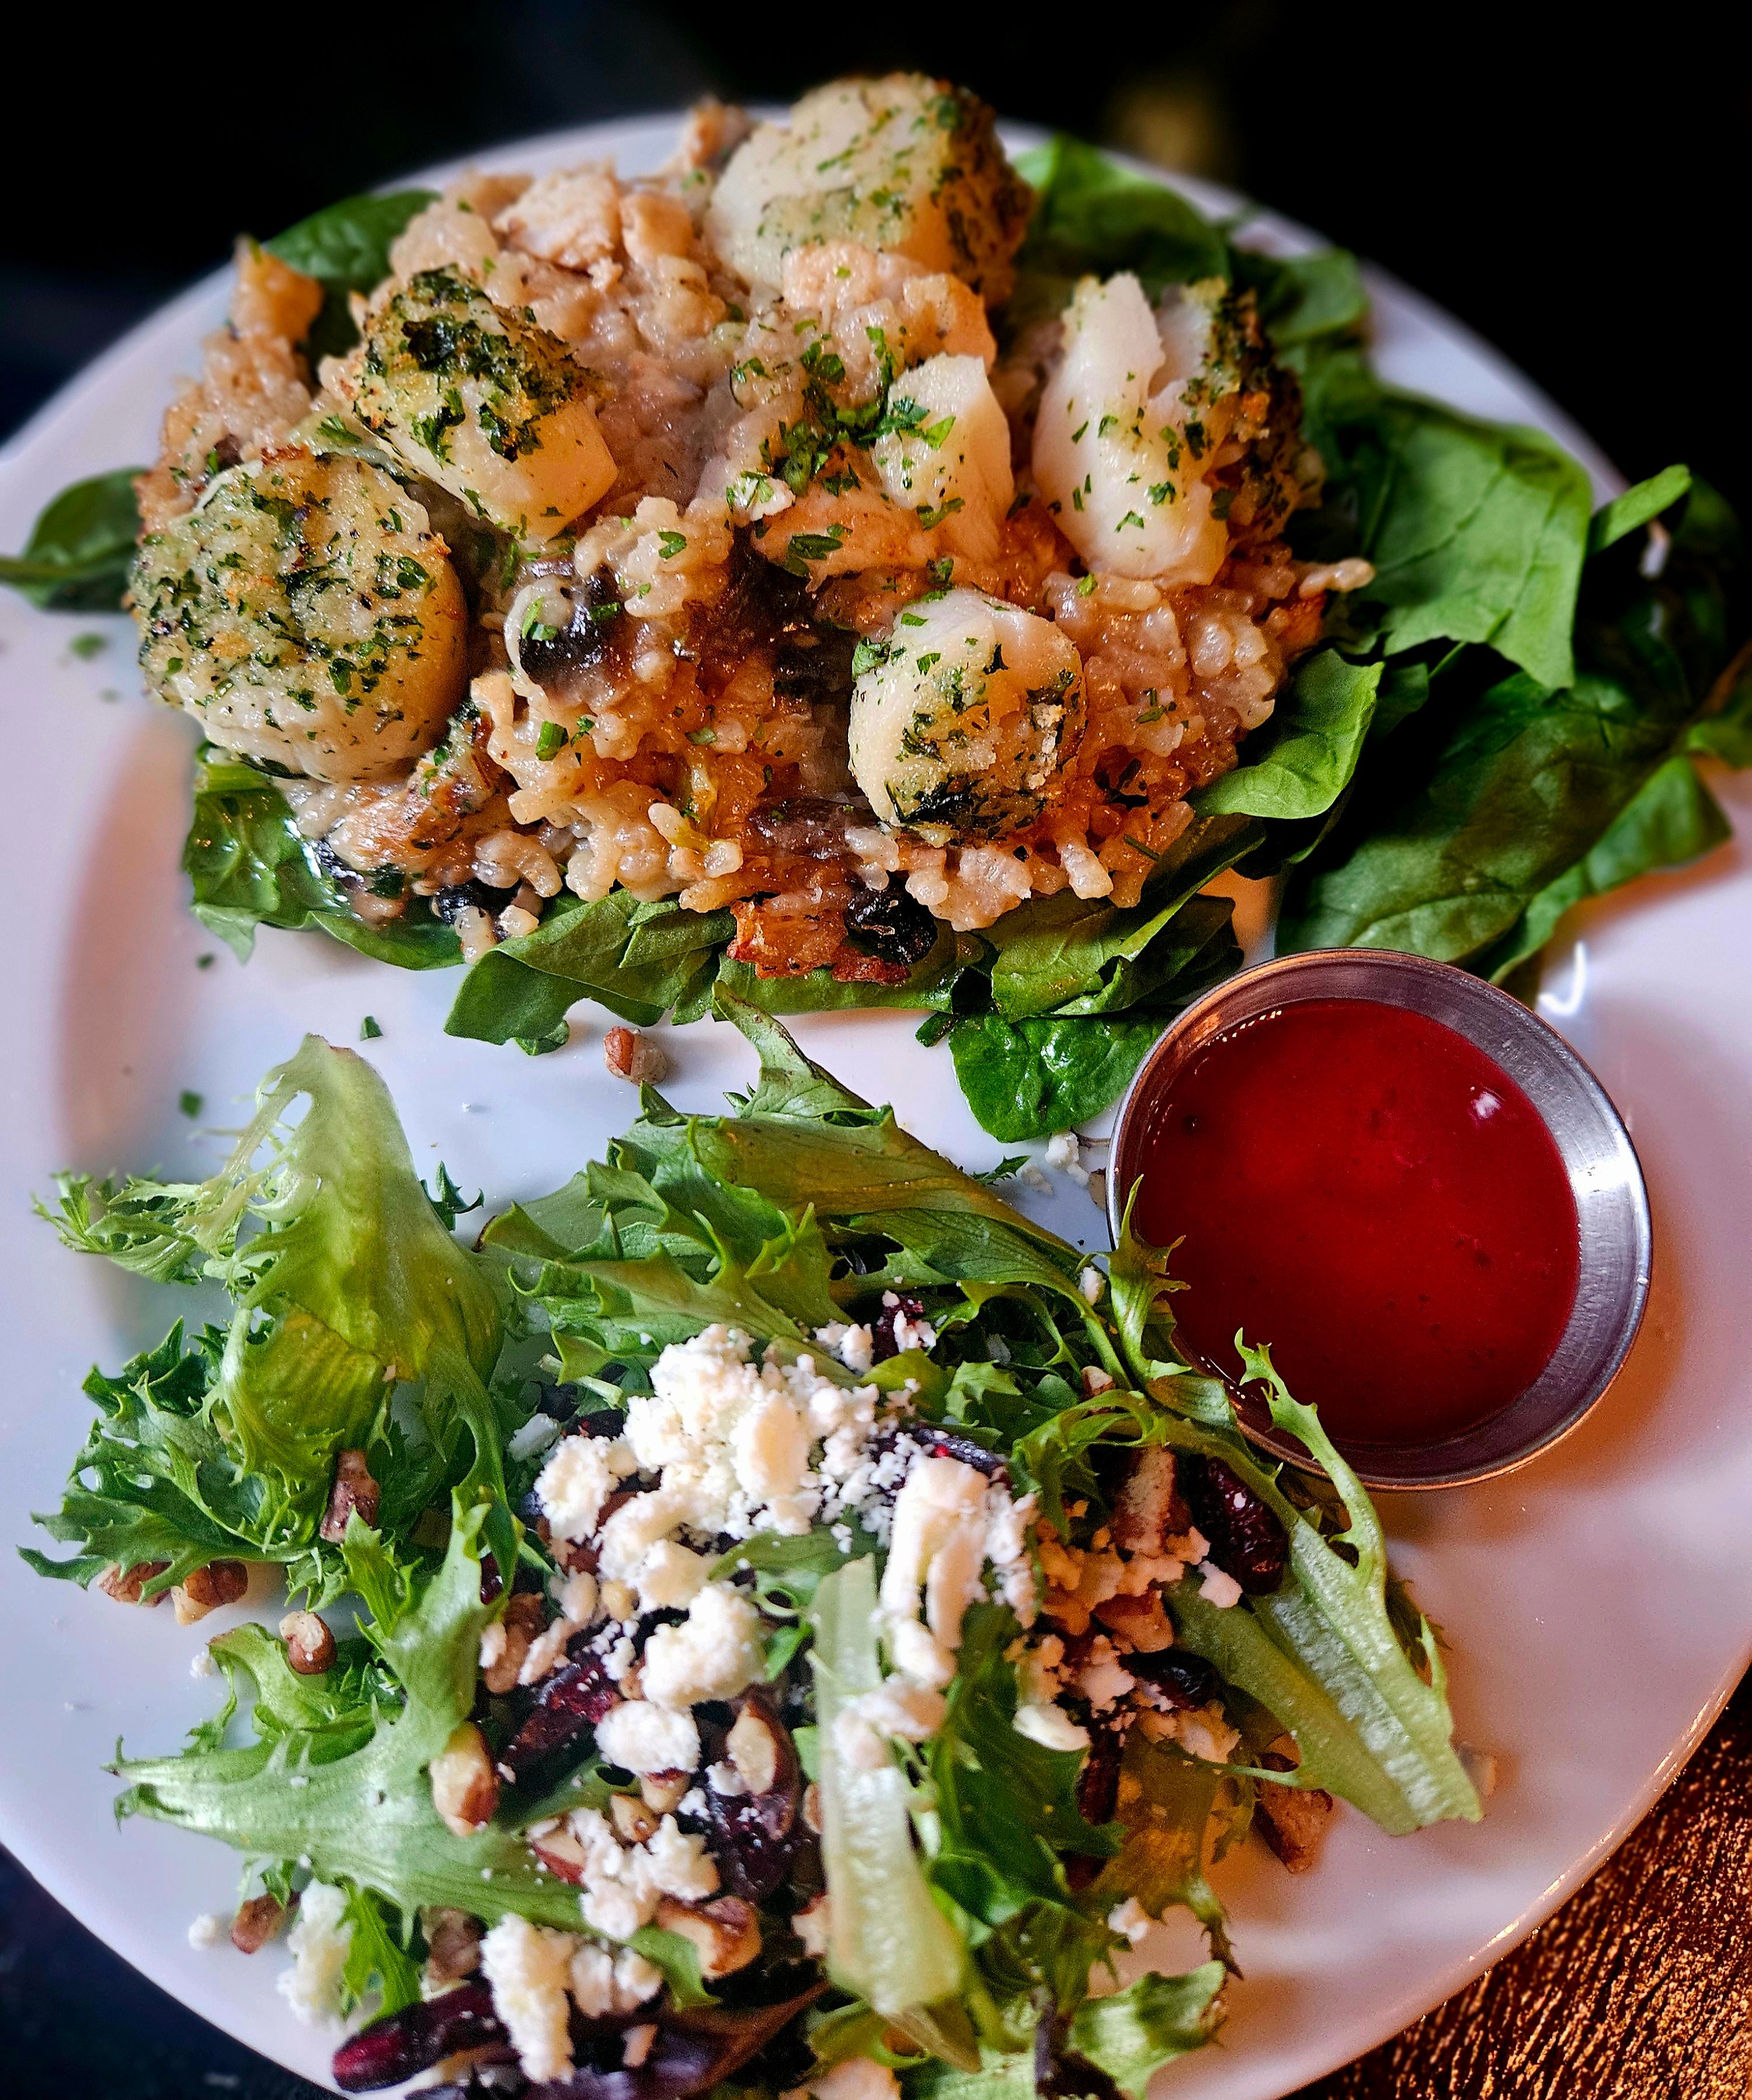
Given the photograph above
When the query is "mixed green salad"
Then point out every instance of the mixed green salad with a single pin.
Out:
(1504, 722)
(766, 1617)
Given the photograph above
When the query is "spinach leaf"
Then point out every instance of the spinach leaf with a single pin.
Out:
(635, 959)
(1476, 530)
(346, 248)
(1304, 299)
(1637, 506)
(1473, 829)
(250, 866)
(1050, 1072)
(1092, 216)
(81, 548)
(1299, 766)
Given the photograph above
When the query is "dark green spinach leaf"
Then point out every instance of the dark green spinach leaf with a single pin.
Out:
(81, 548)
(346, 248)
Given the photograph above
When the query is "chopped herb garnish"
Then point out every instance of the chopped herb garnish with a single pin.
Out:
(190, 1103)
(369, 1028)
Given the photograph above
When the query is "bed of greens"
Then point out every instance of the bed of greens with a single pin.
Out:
(1504, 723)
(895, 1876)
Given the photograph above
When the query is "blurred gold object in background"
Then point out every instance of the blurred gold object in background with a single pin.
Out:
(1177, 120)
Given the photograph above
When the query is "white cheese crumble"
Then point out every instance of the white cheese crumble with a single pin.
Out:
(604, 1982)
(539, 1432)
(1051, 1726)
(529, 1967)
(1130, 1919)
(623, 1884)
(714, 1653)
(640, 1737)
(814, 1926)
(580, 1474)
(853, 1344)
(317, 1943)
(1090, 1283)
(1218, 1588)
(206, 1930)
(201, 1664)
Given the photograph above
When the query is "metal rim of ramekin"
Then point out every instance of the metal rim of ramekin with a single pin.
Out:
(1605, 1177)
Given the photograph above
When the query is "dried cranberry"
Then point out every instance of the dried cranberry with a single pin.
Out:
(1246, 1539)
(416, 2038)
(1185, 1681)
(571, 1702)
(883, 1343)
(450, 902)
(755, 1837)
(1098, 1782)
(491, 1583)
(946, 1444)
(889, 925)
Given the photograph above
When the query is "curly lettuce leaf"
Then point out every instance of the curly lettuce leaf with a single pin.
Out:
(1149, 2025)
(81, 548)
(365, 1818)
(350, 1288)
(890, 1944)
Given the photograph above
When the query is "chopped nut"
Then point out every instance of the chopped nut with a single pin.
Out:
(662, 1793)
(633, 1820)
(124, 1584)
(465, 1786)
(1150, 1509)
(204, 1590)
(1141, 1621)
(1096, 1380)
(310, 1645)
(561, 1854)
(726, 1931)
(634, 1057)
(354, 1489)
(453, 1944)
(524, 1618)
(258, 1920)
(1292, 1818)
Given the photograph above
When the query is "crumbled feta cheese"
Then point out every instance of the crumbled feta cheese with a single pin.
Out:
(580, 1474)
(603, 1983)
(640, 1737)
(537, 1434)
(1218, 1588)
(1008, 1527)
(1035, 1176)
(917, 1653)
(206, 1930)
(529, 1967)
(575, 1595)
(546, 1651)
(201, 1664)
(935, 1546)
(670, 1578)
(853, 1345)
(1090, 1283)
(753, 1751)
(1103, 1680)
(1051, 1727)
(317, 1943)
(493, 1639)
(909, 1333)
(1061, 1148)
(1130, 1919)
(1204, 1732)
(714, 1653)
(864, 1726)
(623, 1885)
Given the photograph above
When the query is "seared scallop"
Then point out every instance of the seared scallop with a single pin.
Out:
(961, 720)
(306, 616)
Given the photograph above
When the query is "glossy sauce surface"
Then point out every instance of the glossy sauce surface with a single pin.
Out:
(1369, 1194)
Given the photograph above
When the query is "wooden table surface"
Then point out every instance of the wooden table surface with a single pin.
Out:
(1640, 1988)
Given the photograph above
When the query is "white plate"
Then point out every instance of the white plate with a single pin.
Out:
(1598, 1605)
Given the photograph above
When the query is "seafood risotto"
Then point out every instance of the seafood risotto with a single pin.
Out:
(695, 534)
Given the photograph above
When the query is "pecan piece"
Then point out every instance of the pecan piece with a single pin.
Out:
(354, 1489)
(465, 1786)
(259, 1920)
(310, 1645)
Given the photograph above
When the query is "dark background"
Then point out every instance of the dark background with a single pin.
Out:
(1572, 182)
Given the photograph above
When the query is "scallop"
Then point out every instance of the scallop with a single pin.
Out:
(905, 164)
(963, 717)
(1125, 432)
(478, 398)
(306, 616)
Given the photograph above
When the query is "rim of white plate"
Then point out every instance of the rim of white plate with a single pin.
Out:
(640, 142)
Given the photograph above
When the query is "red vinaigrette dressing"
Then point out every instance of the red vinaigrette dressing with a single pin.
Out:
(1367, 1192)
